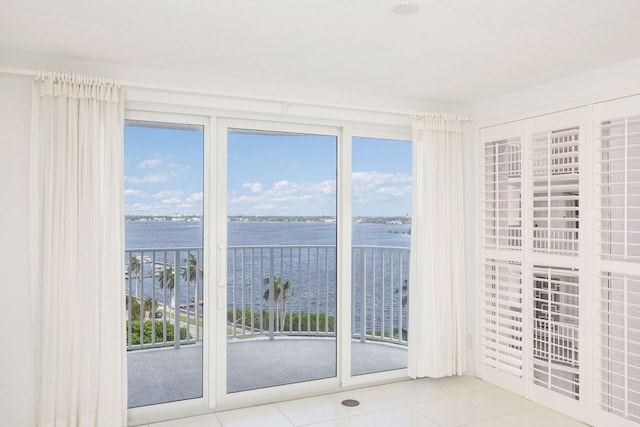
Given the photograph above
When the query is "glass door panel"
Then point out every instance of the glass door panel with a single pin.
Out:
(381, 240)
(164, 258)
(281, 258)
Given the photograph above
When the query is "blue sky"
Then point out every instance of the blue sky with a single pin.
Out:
(282, 174)
(163, 171)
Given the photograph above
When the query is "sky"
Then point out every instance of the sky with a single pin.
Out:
(163, 171)
(267, 174)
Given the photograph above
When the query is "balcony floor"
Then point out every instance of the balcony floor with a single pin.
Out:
(165, 375)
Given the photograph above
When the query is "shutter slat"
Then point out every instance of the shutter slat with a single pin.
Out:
(502, 316)
(554, 167)
(502, 194)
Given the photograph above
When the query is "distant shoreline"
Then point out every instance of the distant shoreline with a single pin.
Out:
(399, 220)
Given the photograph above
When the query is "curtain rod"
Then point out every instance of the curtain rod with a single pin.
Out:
(285, 102)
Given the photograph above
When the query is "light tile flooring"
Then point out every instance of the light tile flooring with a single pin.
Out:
(457, 401)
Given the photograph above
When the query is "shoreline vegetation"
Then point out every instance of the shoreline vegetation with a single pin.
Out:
(396, 220)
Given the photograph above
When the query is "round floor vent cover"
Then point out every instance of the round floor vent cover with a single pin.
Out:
(350, 402)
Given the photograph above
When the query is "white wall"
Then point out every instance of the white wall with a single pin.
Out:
(16, 375)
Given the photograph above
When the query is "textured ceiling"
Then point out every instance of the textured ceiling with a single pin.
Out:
(457, 51)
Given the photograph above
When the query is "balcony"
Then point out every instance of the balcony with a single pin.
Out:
(281, 305)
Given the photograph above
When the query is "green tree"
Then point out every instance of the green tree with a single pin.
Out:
(150, 306)
(133, 307)
(167, 279)
(280, 293)
(147, 333)
(191, 272)
(135, 271)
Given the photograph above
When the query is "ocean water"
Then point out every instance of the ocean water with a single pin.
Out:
(180, 234)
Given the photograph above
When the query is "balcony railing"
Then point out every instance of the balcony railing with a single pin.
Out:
(271, 291)
(164, 297)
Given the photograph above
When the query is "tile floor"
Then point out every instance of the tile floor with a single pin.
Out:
(458, 401)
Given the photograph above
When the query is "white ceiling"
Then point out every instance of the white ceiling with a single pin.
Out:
(457, 51)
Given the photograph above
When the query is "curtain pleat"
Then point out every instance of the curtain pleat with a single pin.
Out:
(437, 250)
(77, 244)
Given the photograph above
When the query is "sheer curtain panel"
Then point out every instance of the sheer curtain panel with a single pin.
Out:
(437, 250)
(76, 243)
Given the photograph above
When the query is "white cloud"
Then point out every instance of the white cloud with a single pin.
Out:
(148, 179)
(150, 163)
(141, 208)
(386, 193)
(255, 187)
(178, 168)
(165, 194)
(265, 206)
(167, 202)
(131, 192)
(195, 197)
(392, 191)
(281, 184)
(286, 197)
(373, 180)
(171, 201)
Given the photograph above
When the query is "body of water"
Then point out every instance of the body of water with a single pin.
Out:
(181, 234)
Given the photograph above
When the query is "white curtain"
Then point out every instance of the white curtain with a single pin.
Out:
(437, 323)
(76, 244)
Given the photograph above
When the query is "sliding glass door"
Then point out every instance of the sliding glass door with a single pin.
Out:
(381, 239)
(280, 257)
(164, 259)
(273, 260)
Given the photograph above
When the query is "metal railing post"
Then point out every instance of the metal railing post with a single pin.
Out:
(271, 295)
(176, 302)
(363, 297)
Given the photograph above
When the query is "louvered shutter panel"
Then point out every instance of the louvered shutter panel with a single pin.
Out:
(619, 341)
(618, 334)
(502, 194)
(555, 185)
(555, 326)
(620, 189)
(502, 316)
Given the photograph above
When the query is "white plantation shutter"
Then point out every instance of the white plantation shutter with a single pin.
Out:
(620, 189)
(501, 293)
(618, 294)
(555, 186)
(502, 316)
(567, 272)
(502, 177)
(619, 342)
(530, 300)
(555, 255)
(555, 327)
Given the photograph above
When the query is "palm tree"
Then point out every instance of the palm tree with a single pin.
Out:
(280, 292)
(135, 270)
(191, 272)
(150, 306)
(167, 279)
